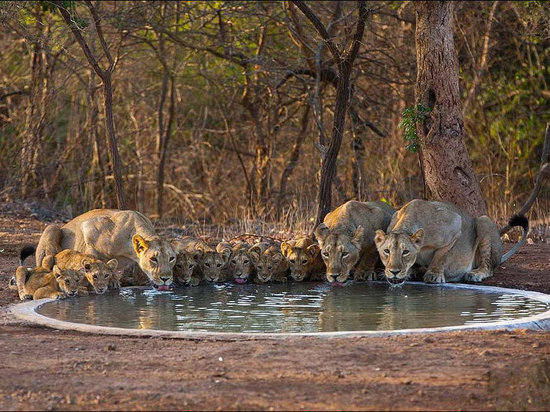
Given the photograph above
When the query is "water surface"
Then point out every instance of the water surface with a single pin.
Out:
(294, 307)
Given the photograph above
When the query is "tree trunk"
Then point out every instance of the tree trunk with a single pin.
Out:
(447, 167)
(111, 140)
(164, 148)
(328, 165)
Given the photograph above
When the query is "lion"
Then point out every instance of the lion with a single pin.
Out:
(39, 283)
(270, 264)
(240, 266)
(452, 244)
(125, 235)
(186, 271)
(346, 239)
(98, 275)
(303, 258)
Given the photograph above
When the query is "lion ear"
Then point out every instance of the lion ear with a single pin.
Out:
(358, 235)
(56, 271)
(313, 251)
(140, 245)
(112, 264)
(379, 237)
(286, 249)
(277, 257)
(86, 265)
(418, 237)
(255, 252)
(321, 232)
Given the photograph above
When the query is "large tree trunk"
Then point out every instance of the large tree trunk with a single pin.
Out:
(447, 167)
(328, 166)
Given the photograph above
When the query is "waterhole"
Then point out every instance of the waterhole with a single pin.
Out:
(294, 308)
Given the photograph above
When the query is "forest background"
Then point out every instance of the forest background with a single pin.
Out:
(223, 112)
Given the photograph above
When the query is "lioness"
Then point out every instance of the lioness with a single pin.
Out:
(346, 239)
(452, 244)
(41, 283)
(270, 264)
(97, 274)
(304, 260)
(125, 235)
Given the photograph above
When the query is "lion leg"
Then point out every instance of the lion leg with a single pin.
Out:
(488, 251)
(364, 270)
(83, 291)
(47, 292)
(21, 275)
(49, 243)
(436, 270)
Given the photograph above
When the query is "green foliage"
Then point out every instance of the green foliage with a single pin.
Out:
(409, 118)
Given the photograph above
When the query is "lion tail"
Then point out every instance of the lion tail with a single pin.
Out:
(517, 220)
(26, 252)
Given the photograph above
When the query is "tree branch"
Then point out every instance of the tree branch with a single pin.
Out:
(319, 27)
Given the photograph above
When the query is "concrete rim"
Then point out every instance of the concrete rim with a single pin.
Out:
(27, 312)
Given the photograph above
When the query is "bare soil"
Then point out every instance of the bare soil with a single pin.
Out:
(48, 369)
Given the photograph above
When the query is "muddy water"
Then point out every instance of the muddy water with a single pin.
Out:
(295, 307)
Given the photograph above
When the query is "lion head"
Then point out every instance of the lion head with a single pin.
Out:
(398, 253)
(186, 262)
(339, 251)
(157, 259)
(268, 261)
(99, 274)
(301, 254)
(241, 262)
(68, 280)
(212, 264)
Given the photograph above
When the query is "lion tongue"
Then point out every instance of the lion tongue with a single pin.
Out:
(163, 287)
(337, 284)
(240, 281)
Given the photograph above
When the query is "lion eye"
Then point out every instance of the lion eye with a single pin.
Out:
(387, 251)
(304, 261)
(172, 258)
(325, 254)
(292, 261)
(95, 276)
(179, 266)
(218, 265)
(345, 254)
(270, 267)
(154, 259)
(405, 252)
(245, 262)
(233, 261)
(207, 265)
(106, 276)
(259, 266)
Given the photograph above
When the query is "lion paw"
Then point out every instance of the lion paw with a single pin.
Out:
(430, 277)
(475, 276)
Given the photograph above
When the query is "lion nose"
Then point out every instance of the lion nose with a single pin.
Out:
(333, 276)
(395, 272)
(166, 279)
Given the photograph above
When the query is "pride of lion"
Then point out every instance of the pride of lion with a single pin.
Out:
(358, 241)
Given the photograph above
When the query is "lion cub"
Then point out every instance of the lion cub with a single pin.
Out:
(346, 238)
(269, 262)
(304, 260)
(186, 271)
(98, 275)
(453, 244)
(241, 263)
(39, 283)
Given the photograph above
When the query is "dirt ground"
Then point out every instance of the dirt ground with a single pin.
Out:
(48, 369)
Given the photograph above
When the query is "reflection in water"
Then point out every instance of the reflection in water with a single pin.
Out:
(293, 307)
